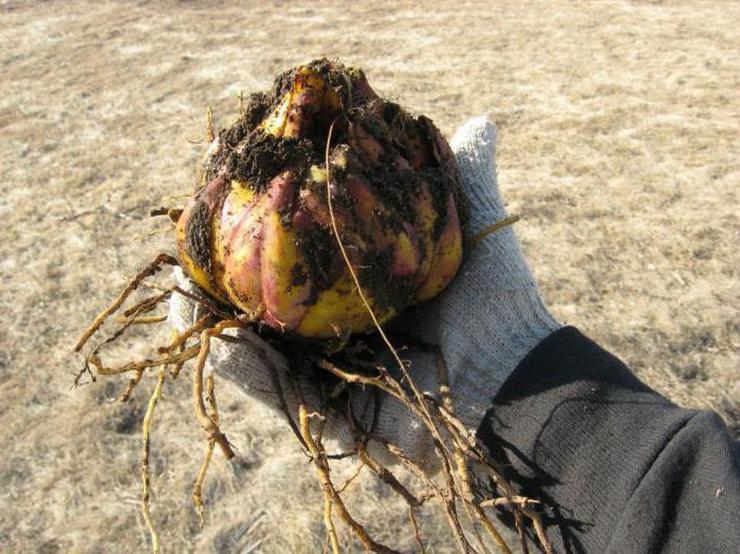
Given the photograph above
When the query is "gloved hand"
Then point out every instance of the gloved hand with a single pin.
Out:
(484, 324)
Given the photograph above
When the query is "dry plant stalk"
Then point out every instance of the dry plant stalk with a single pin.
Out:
(461, 457)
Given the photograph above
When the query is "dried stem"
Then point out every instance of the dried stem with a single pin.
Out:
(210, 131)
(351, 478)
(350, 377)
(471, 448)
(492, 228)
(210, 305)
(448, 503)
(445, 496)
(386, 476)
(176, 368)
(519, 525)
(470, 445)
(147, 304)
(465, 446)
(329, 524)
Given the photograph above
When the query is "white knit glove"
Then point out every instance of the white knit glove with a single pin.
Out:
(484, 324)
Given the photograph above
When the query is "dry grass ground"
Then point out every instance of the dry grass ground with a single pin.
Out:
(619, 127)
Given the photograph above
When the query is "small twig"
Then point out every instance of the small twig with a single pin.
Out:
(356, 377)
(487, 465)
(322, 469)
(371, 312)
(421, 405)
(173, 213)
(177, 368)
(78, 377)
(471, 448)
(240, 103)
(414, 468)
(206, 302)
(448, 502)
(386, 383)
(500, 224)
(446, 497)
(210, 305)
(519, 525)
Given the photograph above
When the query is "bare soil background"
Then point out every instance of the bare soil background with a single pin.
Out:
(618, 144)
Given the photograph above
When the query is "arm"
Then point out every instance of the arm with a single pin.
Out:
(620, 468)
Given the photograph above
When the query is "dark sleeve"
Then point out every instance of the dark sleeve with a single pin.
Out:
(618, 467)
